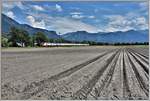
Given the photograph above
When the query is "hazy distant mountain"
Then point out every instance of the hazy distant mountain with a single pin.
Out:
(111, 37)
(7, 23)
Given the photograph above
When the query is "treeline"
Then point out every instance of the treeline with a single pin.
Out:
(21, 38)
(115, 44)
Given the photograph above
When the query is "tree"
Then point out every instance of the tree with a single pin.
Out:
(4, 42)
(59, 40)
(19, 36)
(32, 41)
(51, 40)
(25, 37)
(40, 38)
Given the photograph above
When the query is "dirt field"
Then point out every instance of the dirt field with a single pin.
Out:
(76, 73)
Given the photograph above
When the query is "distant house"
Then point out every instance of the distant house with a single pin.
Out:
(46, 44)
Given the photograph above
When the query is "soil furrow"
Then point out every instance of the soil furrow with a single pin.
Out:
(145, 67)
(26, 94)
(126, 89)
(92, 73)
(140, 56)
(65, 87)
(139, 53)
(138, 76)
(134, 86)
(105, 80)
(86, 89)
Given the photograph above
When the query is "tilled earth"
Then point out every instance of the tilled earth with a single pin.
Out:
(98, 73)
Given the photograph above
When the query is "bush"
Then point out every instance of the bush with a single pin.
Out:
(4, 42)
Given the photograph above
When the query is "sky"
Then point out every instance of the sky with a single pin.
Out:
(71, 16)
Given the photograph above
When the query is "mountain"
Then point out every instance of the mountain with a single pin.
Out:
(7, 23)
(110, 37)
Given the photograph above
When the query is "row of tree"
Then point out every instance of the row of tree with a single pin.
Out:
(115, 44)
(18, 37)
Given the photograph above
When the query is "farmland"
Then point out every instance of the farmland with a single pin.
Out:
(96, 72)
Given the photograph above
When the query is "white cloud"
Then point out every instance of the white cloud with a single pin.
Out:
(91, 17)
(132, 15)
(10, 14)
(38, 8)
(65, 25)
(124, 23)
(58, 8)
(20, 5)
(76, 13)
(77, 16)
(141, 23)
(7, 5)
(34, 23)
(11, 4)
(141, 20)
(116, 20)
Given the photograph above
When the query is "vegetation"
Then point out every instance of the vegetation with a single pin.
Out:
(4, 42)
(40, 38)
(60, 40)
(115, 44)
(18, 37)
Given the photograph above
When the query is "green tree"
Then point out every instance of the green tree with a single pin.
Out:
(51, 40)
(59, 40)
(4, 42)
(25, 37)
(19, 36)
(32, 40)
(40, 38)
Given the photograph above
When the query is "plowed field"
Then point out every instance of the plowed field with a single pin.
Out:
(103, 73)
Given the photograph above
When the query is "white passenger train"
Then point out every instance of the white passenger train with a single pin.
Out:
(46, 44)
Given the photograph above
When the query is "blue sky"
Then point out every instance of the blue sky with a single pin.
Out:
(94, 16)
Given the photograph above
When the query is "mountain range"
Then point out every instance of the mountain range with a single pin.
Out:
(7, 23)
(110, 37)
